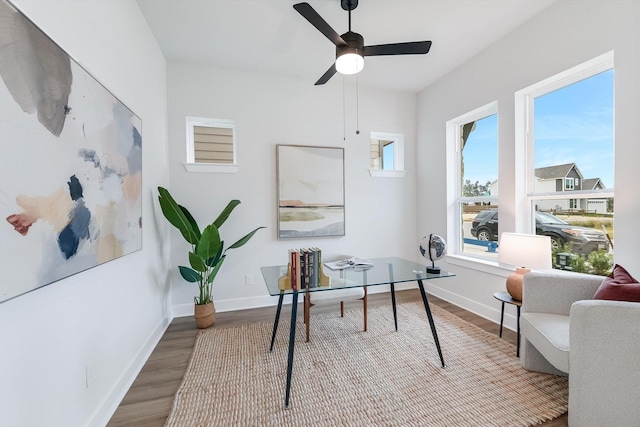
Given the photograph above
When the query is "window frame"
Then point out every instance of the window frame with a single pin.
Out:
(524, 140)
(191, 165)
(455, 199)
(569, 184)
(398, 155)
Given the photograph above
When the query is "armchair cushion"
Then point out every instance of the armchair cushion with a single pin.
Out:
(619, 286)
(549, 334)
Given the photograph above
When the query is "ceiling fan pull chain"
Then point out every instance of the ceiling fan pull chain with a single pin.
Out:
(344, 113)
(357, 106)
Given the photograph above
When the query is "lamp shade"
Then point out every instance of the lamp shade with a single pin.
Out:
(525, 250)
(349, 63)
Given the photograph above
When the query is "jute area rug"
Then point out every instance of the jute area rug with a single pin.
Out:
(347, 377)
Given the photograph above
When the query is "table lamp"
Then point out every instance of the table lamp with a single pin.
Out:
(524, 251)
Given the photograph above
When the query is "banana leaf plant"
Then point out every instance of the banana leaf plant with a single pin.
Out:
(207, 249)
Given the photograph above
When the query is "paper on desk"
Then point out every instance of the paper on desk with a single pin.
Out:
(348, 263)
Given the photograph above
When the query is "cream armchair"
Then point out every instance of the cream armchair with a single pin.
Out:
(597, 343)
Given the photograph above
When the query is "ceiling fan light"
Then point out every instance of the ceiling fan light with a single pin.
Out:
(349, 63)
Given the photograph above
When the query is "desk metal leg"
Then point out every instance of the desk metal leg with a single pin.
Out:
(501, 318)
(393, 303)
(275, 322)
(307, 317)
(518, 339)
(292, 344)
(430, 317)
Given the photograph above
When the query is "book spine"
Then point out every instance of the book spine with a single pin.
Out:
(301, 270)
(307, 269)
(314, 268)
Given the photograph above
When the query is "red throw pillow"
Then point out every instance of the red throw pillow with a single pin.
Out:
(619, 286)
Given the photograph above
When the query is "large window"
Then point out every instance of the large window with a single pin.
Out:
(568, 139)
(473, 153)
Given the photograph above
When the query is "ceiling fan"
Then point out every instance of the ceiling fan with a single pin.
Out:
(350, 48)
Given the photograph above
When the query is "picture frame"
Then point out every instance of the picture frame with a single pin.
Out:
(71, 170)
(311, 191)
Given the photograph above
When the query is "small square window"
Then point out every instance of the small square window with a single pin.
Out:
(211, 145)
(386, 155)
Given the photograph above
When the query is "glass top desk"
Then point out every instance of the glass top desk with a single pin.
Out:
(385, 271)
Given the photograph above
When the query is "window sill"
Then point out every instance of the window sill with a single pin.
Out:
(386, 174)
(478, 264)
(210, 168)
(488, 266)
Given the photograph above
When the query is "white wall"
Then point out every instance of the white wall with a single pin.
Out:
(110, 317)
(564, 35)
(270, 110)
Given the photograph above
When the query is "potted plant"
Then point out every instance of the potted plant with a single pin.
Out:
(207, 251)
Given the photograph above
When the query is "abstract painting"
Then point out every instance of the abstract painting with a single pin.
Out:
(71, 164)
(310, 191)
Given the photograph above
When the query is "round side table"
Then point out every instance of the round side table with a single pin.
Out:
(504, 297)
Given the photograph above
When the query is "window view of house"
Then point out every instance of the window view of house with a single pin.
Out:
(382, 154)
(386, 154)
(572, 183)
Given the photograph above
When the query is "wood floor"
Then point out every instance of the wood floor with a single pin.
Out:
(148, 401)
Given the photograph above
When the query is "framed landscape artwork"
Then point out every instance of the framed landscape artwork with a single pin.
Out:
(71, 164)
(310, 191)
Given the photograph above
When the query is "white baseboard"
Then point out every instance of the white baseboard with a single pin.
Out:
(185, 310)
(482, 310)
(110, 403)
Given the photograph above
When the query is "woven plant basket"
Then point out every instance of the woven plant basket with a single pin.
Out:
(205, 315)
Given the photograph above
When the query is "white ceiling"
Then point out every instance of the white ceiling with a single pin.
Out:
(269, 36)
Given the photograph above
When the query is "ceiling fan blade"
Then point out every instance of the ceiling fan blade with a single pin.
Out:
(316, 20)
(326, 76)
(409, 48)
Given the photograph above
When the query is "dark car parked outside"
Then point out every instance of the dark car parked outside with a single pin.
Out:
(583, 240)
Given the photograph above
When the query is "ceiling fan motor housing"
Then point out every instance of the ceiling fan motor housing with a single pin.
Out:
(349, 4)
(355, 44)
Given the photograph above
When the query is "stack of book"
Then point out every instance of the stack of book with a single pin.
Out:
(304, 271)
